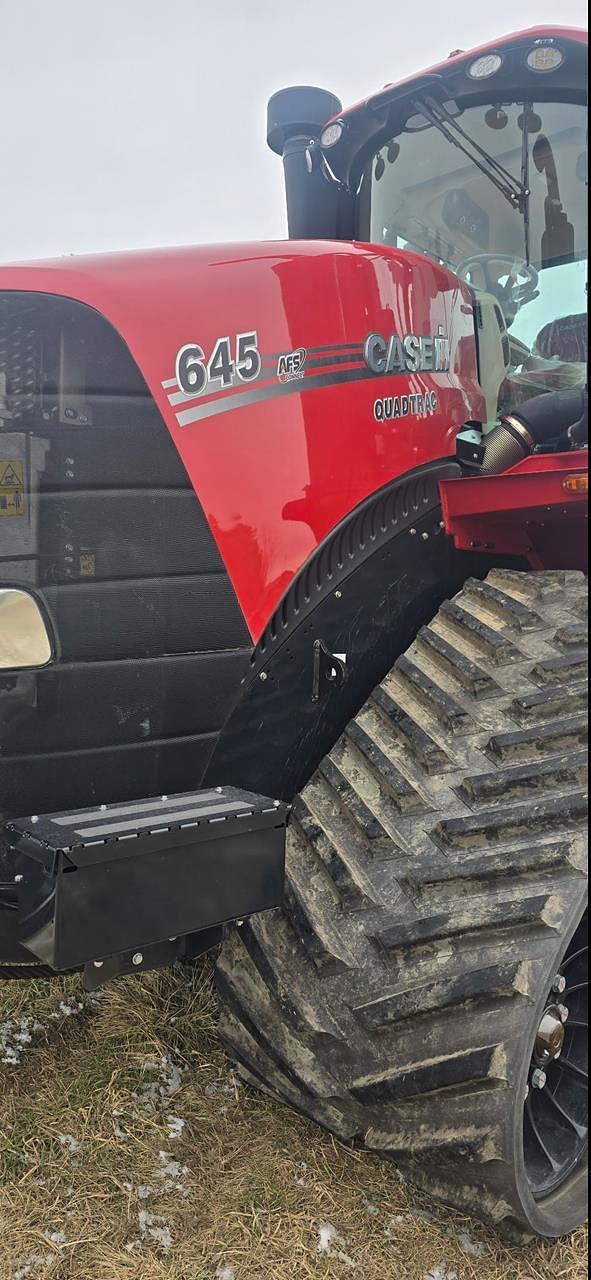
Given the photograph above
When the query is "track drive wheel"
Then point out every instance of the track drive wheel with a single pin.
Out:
(423, 992)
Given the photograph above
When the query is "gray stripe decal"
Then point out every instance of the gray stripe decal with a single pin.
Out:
(179, 815)
(318, 381)
(150, 808)
(274, 356)
(316, 351)
(181, 397)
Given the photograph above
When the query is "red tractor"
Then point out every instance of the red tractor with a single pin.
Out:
(297, 530)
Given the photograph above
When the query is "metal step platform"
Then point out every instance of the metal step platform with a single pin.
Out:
(101, 886)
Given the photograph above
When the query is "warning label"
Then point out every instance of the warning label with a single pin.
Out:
(12, 487)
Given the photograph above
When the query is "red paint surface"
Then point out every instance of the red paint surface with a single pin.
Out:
(275, 477)
(525, 512)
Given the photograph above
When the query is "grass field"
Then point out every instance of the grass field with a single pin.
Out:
(130, 1151)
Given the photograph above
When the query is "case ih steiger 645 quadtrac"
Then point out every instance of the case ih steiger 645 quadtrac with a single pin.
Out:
(298, 530)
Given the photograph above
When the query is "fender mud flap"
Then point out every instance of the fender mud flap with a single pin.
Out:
(93, 884)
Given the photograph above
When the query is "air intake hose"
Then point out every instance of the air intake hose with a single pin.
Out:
(555, 415)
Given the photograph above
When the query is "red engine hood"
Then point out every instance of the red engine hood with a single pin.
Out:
(279, 461)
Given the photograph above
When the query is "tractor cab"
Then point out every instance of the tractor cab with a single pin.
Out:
(480, 165)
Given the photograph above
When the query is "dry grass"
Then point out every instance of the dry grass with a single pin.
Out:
(128, 1151)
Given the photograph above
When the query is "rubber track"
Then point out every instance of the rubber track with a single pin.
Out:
(434, 862)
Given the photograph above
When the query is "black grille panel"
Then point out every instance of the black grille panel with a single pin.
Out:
(151, 643)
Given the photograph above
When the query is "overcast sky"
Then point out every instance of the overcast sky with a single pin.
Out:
(129, 123)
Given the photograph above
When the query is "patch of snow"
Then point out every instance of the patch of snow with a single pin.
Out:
(92, 997)
(218, 1086)
(142, 1192)
(149, 1224)
(56, 1237)
(225, 1273)
(175, 1126)
(163, 1237)
(16, 1034)
(328, 1237)
(172, 1173)
(68, 1010)
(29, 1267)
(441, 1273)
(170, 1168)
(470, 1246)
(396, 1220)
(68, 1142)
(170, 1078)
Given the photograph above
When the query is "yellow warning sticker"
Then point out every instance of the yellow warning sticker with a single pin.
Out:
(12, 487)
(87, 564)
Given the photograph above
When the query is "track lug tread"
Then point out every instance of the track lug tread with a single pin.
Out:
(354, 806)
(566, 771)
(419, 997)
(466, 673)
(494, 644)
(406, 1003)
(403, 794)
(574, 635)
(556, 670)
(351, 889)
(438, 703)
(513, 823)
(548, 705)
(420, 745)
(499, 602)
(542, 740)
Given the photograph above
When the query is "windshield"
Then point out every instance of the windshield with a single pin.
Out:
(421, 192)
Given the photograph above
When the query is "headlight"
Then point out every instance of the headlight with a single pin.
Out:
(24, 641)
(544, 57)
(487, 65)
(332, 134)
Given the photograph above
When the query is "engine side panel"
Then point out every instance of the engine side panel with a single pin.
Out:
(103, 526)
(278, 460)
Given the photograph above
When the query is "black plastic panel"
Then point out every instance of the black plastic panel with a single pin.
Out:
(110, 534)
(105, 775)
(151, 644)
(103, 703)
(150, 618)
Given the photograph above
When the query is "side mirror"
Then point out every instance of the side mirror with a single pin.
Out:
(24, 637)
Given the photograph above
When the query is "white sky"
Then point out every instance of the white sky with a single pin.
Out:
(130, 123)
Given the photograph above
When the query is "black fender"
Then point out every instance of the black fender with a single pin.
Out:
(380, 574)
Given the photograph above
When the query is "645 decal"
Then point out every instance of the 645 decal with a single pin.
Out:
(232, 360)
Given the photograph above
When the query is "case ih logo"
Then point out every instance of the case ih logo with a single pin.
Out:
(291, 365)
(407, 354)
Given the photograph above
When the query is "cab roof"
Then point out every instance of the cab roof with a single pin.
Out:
(460, 58)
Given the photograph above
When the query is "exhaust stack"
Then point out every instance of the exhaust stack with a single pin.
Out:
(295, 119)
